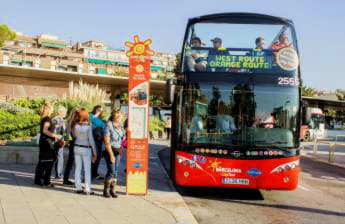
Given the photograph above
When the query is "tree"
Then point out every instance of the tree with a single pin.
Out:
(177, 69)
(340, 94)
(308, 91)
(6, 34)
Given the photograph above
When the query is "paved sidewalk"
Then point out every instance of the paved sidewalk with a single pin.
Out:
(322, 153)
(23, 202)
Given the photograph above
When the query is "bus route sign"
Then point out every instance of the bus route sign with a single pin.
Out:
(138, 110)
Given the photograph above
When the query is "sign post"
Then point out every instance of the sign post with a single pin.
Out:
(139, 54)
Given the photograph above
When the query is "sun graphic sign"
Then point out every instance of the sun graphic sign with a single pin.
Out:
(214, 164)
(139, 48)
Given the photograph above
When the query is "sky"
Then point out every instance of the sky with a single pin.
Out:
(320, 25)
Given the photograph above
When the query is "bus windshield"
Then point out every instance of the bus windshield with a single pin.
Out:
(240, 48)
(239, 115)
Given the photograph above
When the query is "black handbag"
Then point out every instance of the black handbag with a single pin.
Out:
(52, 145)
(117, 151)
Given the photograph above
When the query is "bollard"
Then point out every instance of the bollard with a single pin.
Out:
(315, 146)
(331, 152)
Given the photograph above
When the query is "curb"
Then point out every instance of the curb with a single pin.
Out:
(171, 185)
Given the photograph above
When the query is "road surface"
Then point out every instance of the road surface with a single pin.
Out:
(320, 198)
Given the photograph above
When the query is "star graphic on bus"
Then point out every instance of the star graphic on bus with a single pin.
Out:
(214, 164)
(139, 47)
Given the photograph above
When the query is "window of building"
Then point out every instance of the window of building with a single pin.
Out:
(72, 68)
(62, 68)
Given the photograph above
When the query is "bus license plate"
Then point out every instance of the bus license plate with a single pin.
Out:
(235, 181)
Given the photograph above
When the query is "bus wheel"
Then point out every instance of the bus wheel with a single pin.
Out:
(183, 190)
(307, 136)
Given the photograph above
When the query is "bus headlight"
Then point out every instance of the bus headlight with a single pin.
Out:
(286, 167)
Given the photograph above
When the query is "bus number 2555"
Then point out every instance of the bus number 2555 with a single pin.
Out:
(288, 81)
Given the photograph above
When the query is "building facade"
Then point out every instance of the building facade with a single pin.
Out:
(92, 57)
(47, 52)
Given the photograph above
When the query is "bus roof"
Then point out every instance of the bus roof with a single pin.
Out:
(241, 17)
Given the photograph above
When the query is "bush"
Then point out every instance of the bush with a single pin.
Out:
(33, 104)
(12, 108)
(30, 105)
(18, 125)
(84, 92)
(72, 104)
(156, 124)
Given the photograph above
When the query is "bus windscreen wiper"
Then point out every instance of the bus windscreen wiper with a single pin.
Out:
(272, 145)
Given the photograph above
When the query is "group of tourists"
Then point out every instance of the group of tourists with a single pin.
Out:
(90, 139)
(198, 60)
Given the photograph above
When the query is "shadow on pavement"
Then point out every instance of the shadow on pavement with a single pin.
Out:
(226, 194)
(23, 175)
(321, 170)
(289, 207)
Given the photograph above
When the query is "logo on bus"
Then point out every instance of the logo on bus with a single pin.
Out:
(215, 165)
(254, 172)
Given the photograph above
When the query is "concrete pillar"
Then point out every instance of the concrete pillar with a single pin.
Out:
(80, 68)
(5, 59)
(37, 63)
(53, 65)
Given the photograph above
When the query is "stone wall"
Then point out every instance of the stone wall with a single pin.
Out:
(18, 155)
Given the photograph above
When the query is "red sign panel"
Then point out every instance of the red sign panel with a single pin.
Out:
(138, 111)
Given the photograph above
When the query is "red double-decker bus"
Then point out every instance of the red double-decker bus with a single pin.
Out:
(236, 103)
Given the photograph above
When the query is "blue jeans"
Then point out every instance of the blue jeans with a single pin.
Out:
(95, 165)
(112, 169)
(82, 159)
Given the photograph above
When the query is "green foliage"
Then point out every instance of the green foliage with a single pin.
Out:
(156, 100)
(177, 68)
(124, 98)
(6, 34)
(36, 104)
(20, 118)
(33, 104)
(308, 91)
(71, 104)
(156, 124)
(340, 94)
(17, 125)
(12, 108)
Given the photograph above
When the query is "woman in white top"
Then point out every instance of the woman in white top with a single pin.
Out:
(84, 150)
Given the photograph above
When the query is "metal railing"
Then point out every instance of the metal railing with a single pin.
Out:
(332, 144)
